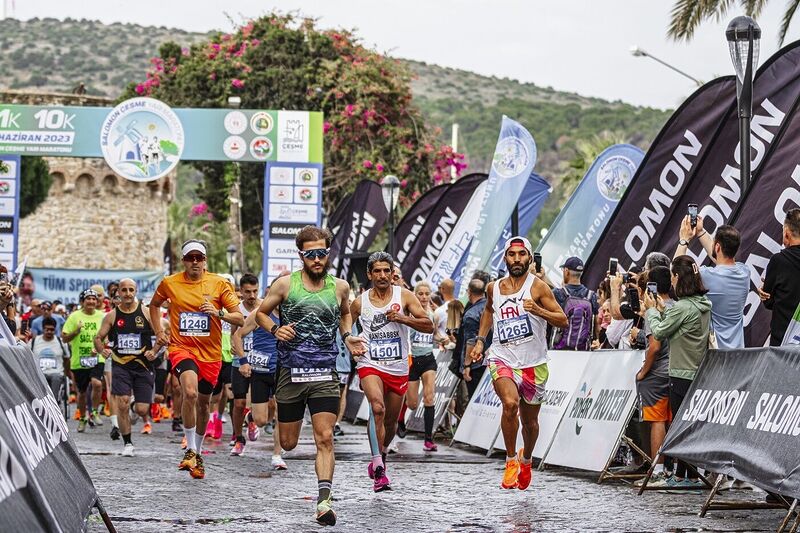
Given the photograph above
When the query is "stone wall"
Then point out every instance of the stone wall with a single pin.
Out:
(92, 218)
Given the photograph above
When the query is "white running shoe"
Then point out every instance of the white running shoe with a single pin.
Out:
(278, 463)
(127, 451)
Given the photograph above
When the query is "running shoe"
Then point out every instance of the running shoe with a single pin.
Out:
(337, 431)
(525, 473)
(96, 418)
(155, 412)
(401, 429)
(147, 429)
(189, 460)
(232, 443)
(381, 481)
(238, 448)
(511, 474)
(166, 414)
(210, 424)
(278, 463)
(659, 479)
(325, 514)
(218, 427)
(177, 424)
(127, 451)
(90, 421)
(371, 471)
(82, 425)
(77, 415)
(430, 446)
(199, 470)
(252, 432)
(115, 433)
(106, 410)
(269, 429)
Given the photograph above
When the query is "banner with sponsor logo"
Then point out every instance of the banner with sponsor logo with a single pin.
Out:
(577, 228)
(67, 284)
(43, 484)
(481, 421)
(512, 164)
(598, 411)
(292, 199)
(355, 224)
(423, 244)
(446, 383)
(143, 138)
(9, 211)
(714, 163)
(409, 227)
(741, 417)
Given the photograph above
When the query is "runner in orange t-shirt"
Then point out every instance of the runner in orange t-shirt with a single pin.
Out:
(199, 301)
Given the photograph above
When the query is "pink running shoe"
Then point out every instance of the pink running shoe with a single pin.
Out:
(371, 471)
(253, 432)
(382, 481)
(238, 448)
(210, 424)
(217, 427)
(430, 446)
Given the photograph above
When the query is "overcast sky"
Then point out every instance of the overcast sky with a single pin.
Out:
(571, 45)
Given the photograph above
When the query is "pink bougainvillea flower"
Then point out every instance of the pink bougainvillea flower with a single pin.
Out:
(379, 167)
(404, 183)
(140, 89)
(367, 163)
(326, 127)
(236, 82)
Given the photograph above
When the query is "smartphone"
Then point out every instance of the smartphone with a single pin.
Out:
(693, 214)
(626, 278)
(3, 277)
(633, 299)
(537, 260)
(612, 266)
(652, 288)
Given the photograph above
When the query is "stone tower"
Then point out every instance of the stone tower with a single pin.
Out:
(92, 218)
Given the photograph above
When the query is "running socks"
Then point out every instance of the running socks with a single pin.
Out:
(324, 486)
(127, 439)
(429, 412)
(190, 438)
(114, 421)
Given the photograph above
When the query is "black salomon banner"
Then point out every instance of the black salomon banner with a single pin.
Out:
(355, 224)
(43, 484)
(412, 222)
(418, 250)
(741, 417)
(716, 185)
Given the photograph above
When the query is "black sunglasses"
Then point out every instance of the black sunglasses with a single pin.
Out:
(194, 258)
(316, 253)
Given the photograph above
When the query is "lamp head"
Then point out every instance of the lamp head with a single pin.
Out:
(739, 34)
(390, 189)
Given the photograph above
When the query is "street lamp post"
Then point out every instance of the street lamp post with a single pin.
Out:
(390, 188)
(231, 258)
(743, 35)
(638, 52)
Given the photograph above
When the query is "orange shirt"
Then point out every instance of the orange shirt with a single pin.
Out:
(191, 330)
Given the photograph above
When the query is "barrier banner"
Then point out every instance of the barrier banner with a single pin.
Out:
(355, 224)
(478, 427)
(428, 242)
(566, 369)
(595, 418)
(67, 284)
(446, 383)
(10, 184)
(43, 484)
(577, 228)
(741, 417)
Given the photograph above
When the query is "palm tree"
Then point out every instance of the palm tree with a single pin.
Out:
(688, 14)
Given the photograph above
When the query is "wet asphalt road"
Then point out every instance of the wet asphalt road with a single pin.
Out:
(454, 490)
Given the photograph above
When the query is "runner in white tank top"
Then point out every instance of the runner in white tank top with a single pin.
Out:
(387, 314)
(519, 307)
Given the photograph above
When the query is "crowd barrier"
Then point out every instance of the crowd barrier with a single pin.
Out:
(43, 483)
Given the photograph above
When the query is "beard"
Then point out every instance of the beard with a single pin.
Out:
(316, 276)
(517, 271)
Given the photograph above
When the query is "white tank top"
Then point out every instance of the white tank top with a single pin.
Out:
(519, 338)
(388, 345)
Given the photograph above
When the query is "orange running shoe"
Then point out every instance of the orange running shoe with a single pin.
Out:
(155, 412)
(147, 429)
(189, 460)
(107, 409)
(511, 474)
(198, 471)
(525, 473)
(166, 414)
(77, 415)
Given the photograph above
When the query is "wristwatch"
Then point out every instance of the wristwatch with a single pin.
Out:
(274, 328)
(683, 242)
(482, 339)
(345, 335)
(221, 313)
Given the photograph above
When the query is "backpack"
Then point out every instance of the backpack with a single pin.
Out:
(578, 335)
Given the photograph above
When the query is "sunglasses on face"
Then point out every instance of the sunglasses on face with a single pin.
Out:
(194, 258)
(316, 253)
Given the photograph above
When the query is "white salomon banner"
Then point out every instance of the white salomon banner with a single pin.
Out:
(596, 416)
(481, 420)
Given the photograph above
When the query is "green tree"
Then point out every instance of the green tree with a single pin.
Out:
(687, 15)
(35, 184)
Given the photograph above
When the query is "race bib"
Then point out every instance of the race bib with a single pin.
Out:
(385, 350)
(308, 375)
(129, 343)
(88, 362)
(48, 363)
(194, 325)
(247, 343)
(514, 330)
(258, 360)
(422, 340)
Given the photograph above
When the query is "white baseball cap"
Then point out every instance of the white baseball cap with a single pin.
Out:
(192, 246)
(518, 241)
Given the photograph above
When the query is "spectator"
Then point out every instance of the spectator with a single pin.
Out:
(482, 275)
(728, 282)
(476, 292)
(656, 259)
(47, 312)
(579, 304)
(33, 312)
(455, 313)
(781, 290)
(626, 322)
(686, 326)
(51, 354)
(446, 289)
(604, 315)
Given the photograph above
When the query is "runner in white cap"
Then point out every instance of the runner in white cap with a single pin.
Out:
(518, 309)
